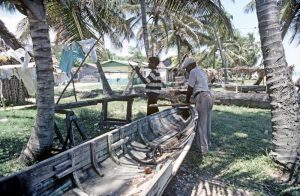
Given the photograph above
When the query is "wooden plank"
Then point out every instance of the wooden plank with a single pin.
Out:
(79, 192)
(119, 143)
(63, 165)
(93, 158)
(157, 184)
(93, 102)
(184, 152)
(111, 151)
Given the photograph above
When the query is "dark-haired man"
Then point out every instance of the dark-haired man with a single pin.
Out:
(153, 84)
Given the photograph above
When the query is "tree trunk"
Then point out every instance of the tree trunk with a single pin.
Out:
(219, 44)
(8, 37)
(251, 100)
(245, 88)
(284, 106)
(145, 29)
(41, 139)
(105, 85)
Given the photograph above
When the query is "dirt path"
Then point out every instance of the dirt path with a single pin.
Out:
(188, 182)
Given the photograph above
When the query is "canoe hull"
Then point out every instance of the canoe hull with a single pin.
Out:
(115, 163)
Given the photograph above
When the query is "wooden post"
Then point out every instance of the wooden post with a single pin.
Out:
(104, 110)
(74, 90)
(129, 110)
(103, 115)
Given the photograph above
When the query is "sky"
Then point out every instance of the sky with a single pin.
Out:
(245, 23)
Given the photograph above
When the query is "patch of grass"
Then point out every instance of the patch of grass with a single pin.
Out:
(15, 126)
(241, 141)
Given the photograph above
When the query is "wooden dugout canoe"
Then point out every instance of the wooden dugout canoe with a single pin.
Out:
(139, 158)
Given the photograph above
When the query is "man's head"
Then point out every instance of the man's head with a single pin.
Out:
(188, 64)
(153, 62)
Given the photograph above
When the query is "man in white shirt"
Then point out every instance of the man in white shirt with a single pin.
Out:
(198, 88)
(297, 84)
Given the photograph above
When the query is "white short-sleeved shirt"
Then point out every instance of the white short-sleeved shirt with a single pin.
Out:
(198, 80)
(297, 83)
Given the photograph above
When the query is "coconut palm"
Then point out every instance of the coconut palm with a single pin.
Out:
(41, 138)
(285, 109)
(241, 51)
(168, 29)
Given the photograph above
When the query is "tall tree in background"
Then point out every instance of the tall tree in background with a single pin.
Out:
(41, 138)
(285, 109)
(145, 28)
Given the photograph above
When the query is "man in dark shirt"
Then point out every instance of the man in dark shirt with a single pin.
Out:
(153, 84)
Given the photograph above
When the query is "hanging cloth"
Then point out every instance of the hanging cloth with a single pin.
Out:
(29, 79)
(78, 54)
(66, 60)
(86, 45)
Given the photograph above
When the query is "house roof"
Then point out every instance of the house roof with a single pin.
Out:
(114, 62)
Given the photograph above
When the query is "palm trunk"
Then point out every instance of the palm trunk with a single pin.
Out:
(41, 139)
(284, 107)
(219, 44)
(105, 85)
(145, 29)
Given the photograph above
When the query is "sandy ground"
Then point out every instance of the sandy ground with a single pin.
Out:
(188, 182)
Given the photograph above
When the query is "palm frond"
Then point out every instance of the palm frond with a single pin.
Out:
(289, 17)
(250, 7)
(23, 29)
(7, 6)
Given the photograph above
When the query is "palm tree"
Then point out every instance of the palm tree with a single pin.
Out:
(41, 138)
(168, 29)
(285, 109)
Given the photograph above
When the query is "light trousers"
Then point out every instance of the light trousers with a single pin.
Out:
(204, 104)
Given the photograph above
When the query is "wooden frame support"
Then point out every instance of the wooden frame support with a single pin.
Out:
(71, 120)
(105, 121)
(94, 159)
